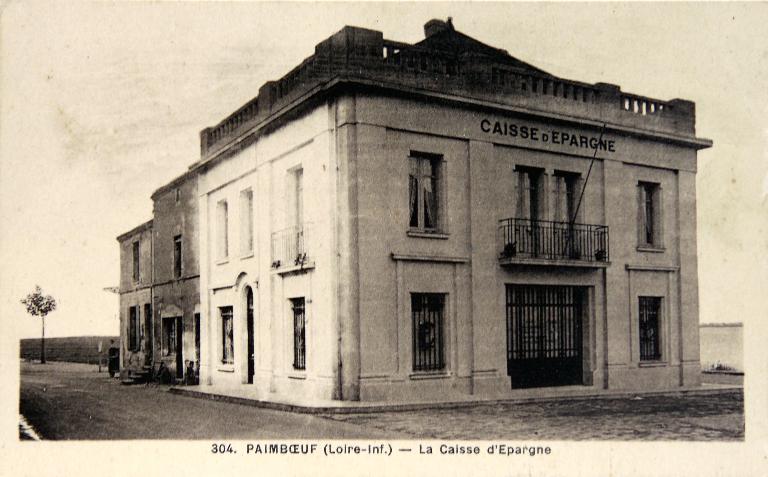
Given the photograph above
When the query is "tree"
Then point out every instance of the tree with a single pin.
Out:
(39, 305)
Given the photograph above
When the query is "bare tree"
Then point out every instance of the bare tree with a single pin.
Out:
(39, 305)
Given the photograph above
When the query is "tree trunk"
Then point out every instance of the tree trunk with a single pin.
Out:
(42, 345)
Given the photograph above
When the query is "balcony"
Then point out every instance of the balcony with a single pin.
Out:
(543, 242)
(291, 249)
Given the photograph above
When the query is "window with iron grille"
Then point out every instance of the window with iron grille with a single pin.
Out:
(424, 192)
(427, 310)
(650, 327)
(227, 335)
(299, 333)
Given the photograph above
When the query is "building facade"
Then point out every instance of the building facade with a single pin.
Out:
(159, 286)
(135, 299)
(395, 221)
(176, 276)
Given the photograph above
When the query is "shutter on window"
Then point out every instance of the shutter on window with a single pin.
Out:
(560, 206)
(658, 208)
(640, 214)
(525, 196)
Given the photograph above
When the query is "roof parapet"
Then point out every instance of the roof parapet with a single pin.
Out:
(363, 54)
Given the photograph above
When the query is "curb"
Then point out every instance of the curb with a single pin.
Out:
(296, 408)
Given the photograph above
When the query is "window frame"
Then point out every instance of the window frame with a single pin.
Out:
(246, 222)
(648, 306)
(299, 333)
(169, 337)
(226, 315)
(431, 358)
(134, 323)
(136, 250)
(222, 230)
(178, 256)
(649, 203)
(416, 178)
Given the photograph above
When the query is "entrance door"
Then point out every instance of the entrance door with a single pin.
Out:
(249, 319)
(544, 335)
(179, 357)
(197, 346)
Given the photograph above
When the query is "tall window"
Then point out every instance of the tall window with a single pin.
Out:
(649, 211)
(428, 343)
(650, 327)
(222, 225)
(299, 197)
(246, 222)
(566, 196)
(136, 261)
(227, 335)
(133, 328)
(529, 193)
(177, 256)
(424, 192)
(169, 336)
(299, 333)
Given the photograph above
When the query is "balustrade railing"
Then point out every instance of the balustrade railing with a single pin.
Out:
(291, 247)
(543, 239)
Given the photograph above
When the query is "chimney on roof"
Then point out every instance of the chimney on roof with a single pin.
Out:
(436, 26)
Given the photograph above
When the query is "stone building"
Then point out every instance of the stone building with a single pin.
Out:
(394, 221)
(176, 278)
(135, 298)
(160, 303)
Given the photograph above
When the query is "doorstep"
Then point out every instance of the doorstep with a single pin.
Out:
(249, 397)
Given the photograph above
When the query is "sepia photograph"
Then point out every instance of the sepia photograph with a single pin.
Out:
(298, 238)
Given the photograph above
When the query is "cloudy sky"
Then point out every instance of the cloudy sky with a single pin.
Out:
(102, 103)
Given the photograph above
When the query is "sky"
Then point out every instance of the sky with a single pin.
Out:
(102, 103)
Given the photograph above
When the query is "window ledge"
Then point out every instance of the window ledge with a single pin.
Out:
(222, 261)
(423, 234)
(650, 249)
(297, 374)
(283, 270)
(417, 375)
(246, 255)
(226, 368)
(652, 364)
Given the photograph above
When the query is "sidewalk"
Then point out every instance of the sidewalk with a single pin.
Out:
(252, 397)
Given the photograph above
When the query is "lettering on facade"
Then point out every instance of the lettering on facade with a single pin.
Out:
(549, 136)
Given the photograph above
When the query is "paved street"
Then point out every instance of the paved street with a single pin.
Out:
(72, 401)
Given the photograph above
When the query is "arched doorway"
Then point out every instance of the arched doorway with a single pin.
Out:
(250, 332)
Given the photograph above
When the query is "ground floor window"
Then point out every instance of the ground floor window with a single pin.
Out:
(169, 336)
(227, 335)
(134, 328)
(299, 333)
(650, 310)
(427, 310)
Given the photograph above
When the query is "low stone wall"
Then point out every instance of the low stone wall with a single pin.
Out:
(75, 349)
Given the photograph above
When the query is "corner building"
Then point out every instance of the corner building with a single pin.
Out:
(391, 222)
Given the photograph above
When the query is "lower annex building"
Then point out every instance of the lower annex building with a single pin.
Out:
(395, 221)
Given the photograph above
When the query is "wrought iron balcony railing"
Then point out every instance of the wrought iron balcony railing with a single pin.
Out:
(547, 240)
(290, 246)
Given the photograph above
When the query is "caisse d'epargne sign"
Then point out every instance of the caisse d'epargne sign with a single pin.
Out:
(549, 136)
